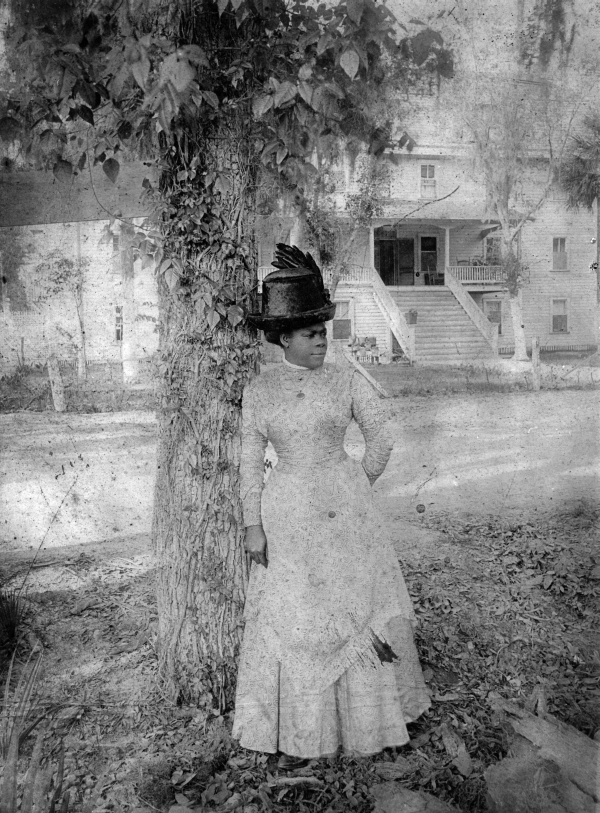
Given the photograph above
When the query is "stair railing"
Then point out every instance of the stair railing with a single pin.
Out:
(489, 330)
(394, 317)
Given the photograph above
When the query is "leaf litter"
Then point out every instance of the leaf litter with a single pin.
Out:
(503, 606)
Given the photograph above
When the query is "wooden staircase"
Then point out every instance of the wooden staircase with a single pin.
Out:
(444, 333)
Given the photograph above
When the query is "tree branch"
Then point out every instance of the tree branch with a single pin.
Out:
(428, 203)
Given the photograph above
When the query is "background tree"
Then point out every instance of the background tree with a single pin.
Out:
(521, 93)
(519, 135)
(579, 174)
(56, 277)
(221, 97)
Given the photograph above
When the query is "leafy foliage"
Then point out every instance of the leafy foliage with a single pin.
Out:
(579, 174)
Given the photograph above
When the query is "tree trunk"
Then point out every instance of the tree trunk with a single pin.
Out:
(516, 315)
(598, 250)
(197, 527)
(56, 385)
(81, 350)
(129, 349)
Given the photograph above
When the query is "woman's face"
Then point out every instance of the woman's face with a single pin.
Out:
(306, 346)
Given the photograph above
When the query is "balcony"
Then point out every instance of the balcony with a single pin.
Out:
(351, 273)
(479, 274)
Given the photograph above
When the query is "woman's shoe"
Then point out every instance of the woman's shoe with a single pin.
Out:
(288, 763)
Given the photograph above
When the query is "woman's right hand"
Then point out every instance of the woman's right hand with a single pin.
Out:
(256, 544)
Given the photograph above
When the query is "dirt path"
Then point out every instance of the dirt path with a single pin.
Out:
(504, 609)
(491, 454)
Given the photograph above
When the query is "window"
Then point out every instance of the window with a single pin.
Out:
(492, 249)
(559, 316)
(559, 254)
(428, 181)
(493, 310)
(342, 321)
(119, 323)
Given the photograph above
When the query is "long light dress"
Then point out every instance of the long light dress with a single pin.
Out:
(310, 682)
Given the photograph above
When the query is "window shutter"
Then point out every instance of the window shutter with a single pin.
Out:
(559, 261)
(341, 328)
(559, 324)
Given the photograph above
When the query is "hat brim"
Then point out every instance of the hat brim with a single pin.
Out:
(325, 314)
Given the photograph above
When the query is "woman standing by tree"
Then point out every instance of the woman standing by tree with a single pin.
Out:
(328, 658)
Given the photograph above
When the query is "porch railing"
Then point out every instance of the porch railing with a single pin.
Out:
(478, 273)
(393, 315)
(350, 273)
(488, 329)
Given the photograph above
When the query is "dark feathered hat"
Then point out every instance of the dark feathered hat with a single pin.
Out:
(293, 296)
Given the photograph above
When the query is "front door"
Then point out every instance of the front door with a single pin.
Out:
(429, 259)
(406, 262)
(395, 261)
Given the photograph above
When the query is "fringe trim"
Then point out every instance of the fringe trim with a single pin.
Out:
(358, 651)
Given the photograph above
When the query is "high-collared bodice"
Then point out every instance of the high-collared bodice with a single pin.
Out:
(304, 414)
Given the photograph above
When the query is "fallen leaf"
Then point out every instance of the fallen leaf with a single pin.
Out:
(394, 770)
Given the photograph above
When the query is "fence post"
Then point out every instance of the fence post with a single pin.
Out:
(56, 385)
(535, 362)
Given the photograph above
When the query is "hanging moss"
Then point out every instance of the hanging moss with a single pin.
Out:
(547, 33)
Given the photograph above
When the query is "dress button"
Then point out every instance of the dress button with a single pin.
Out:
(332, 514)
(300, 395)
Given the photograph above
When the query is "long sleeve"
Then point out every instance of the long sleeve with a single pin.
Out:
(371, 415)
(252, 463)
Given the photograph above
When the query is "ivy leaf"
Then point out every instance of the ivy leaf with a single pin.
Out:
(85, 113)
(355, 10)
(111, 168)
(284, 93)
(213, 318)
(124, 130)
(62, 171)
(222, 5)
(222, 185)
(9, 128)
(305, 90)
(261, 104)
(195, 54)
(171, 278)
(178, 71)
(88, 93)
(350, 62)
(323, 43)
(141, 71)
(281, 154)
(117, 83)
(211, 98)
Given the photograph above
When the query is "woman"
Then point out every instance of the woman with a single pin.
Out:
(328, 659)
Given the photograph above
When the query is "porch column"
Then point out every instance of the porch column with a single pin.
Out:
(447, 244)
(372, 245)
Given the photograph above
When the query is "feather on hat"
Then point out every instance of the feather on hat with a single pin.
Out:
(293, 296)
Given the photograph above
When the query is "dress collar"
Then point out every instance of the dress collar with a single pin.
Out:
(295, 366)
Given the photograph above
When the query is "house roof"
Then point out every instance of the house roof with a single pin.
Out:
(452, 208)
(32, 197)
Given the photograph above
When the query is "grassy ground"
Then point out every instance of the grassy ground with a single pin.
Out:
(103, 390)
(502, 608)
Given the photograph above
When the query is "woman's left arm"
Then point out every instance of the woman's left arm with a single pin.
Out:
(371, 415)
